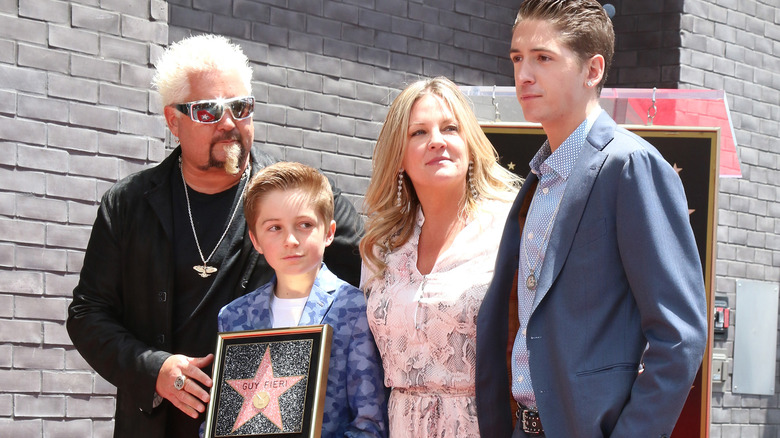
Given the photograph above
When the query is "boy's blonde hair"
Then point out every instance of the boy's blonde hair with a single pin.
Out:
(289, 176)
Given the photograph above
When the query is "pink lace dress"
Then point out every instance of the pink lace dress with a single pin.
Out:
(425, 328)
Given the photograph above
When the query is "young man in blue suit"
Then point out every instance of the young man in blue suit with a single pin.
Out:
(595, 322)
(289, 213)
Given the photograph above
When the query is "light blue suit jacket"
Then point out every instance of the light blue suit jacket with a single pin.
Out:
(355, 399)
(621, 284)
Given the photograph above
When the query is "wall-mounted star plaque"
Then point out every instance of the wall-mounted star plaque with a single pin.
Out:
(269, 383)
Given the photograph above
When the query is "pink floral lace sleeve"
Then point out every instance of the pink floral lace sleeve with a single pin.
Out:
(425, 328)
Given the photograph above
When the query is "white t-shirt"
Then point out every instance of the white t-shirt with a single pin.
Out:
(286, 312)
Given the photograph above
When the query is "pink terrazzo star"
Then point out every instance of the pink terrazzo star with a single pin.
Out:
(261, 393)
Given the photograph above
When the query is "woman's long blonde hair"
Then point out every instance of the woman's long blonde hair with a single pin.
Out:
(390, 225)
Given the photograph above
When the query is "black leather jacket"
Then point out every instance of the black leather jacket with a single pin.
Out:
(120, 317)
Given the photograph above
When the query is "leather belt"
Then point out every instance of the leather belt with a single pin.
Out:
(529, 418)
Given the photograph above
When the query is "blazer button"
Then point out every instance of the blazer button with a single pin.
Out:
(162, 297)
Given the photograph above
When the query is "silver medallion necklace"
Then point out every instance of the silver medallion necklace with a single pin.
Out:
(531, 281)
(205, 270)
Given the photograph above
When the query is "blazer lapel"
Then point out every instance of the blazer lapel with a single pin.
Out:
(318, 304)
(583, 176)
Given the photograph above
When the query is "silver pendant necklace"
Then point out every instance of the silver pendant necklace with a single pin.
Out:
(531, 282)
(205, 270)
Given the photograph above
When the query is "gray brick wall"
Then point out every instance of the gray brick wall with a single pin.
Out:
(76, 114)
(733, 45)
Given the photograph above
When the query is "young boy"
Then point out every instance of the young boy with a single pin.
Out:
(289, 212)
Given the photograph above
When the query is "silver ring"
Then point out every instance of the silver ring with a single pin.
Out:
(179, 382)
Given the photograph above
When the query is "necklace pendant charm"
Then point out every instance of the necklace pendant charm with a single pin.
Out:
(205, 270)
(531, 282)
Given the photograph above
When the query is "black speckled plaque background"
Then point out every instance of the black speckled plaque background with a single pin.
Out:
(292, 353)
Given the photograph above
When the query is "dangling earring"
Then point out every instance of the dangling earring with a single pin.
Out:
(473, 189)
(400, 188)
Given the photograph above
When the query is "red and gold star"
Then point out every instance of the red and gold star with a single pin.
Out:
(261, 393)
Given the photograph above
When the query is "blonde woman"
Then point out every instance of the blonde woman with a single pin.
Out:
(436, 206)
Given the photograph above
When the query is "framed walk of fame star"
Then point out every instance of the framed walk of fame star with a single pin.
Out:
(269, 383)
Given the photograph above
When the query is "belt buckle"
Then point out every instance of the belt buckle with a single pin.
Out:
(531, 422)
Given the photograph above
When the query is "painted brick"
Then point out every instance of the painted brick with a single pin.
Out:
(356, 147)
(342, 12)
(320, 141)
(42, 58)
(304, 81)
(60, 285)
(374, 20)
(20, 427)
(38, 358)
(358, 72)
(22, 29)
(305, 42)
(435, 68)
(303, 119)
(6, 407)
(101, 20)
(39, 308)
(21, 130)
(7, 256)
(125, 146)
(22, 231)
(98, 167)
(221, 8)
(350, 184)
(407, 27)
(376, 57)
(55, 334)
(22, 79)
(71, 138)
(91, 116)
(67, 429)
(22, 181)
(40, 108)
(321, 26)
(195, 20)
(74, 361)
(8, 102)
(8, 203)
(252, 11)
(231, 27)
(41, 259)
(123, 97)
(310, 158)
(34, 207)
(104, 429)
(286, 97)
(137, 8)
(323, 65)
(337, 163)
(20, 332)
(94, 68)
(125, 168)
(73, 88)
(367, 130)
(357, 34)
(452, 20)
(357, 110)
(66, 383)
(73, 39)
(67, 236)
(135, 75)
(70, 187)
(92, 407)
(321, 103)
(339, 87)
(271, 35)
(80, 213)
(6, 312)
(144, 30)
(390, 41)
(123, 49)
(39, 406)
(405, 63)
(285, 136)
(338, 125)
(396, 8)
(41, 158)
(142, 124)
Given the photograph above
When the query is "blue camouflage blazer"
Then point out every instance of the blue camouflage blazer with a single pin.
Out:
(355, 399)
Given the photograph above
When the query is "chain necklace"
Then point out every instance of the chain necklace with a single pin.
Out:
(205, 270)
(531, 281)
